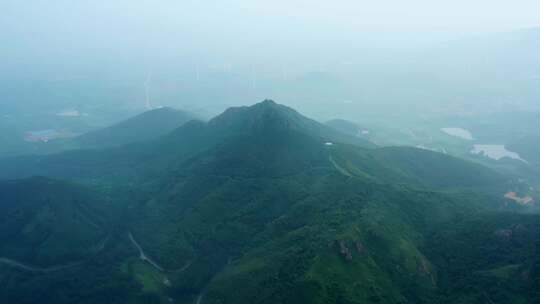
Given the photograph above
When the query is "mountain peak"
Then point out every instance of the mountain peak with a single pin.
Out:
(267, 103)
(268, 117)
(145, 126)
(265, 115)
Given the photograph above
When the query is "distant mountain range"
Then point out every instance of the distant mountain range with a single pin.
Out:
(259, 205)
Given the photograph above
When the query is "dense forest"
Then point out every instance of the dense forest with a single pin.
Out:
(259, 205)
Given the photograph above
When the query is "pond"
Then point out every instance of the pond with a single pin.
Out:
(495, 152)
(458, 132)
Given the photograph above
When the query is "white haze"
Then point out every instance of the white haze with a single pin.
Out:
(207, 55)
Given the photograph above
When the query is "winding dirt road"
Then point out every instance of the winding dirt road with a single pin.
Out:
(143, 256)
(199, 299)
(32, 268)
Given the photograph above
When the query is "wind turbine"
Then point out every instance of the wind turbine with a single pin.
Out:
(253, 78)
(284, 73)
(147, 90)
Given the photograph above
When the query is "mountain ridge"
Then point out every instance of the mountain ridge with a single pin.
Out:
(148, 125)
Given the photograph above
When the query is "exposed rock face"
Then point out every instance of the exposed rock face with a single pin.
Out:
(504, 234)
(359, 247)
(424, 269)
(519, 228)
(345, 251)
(358, 244)
(509, 233)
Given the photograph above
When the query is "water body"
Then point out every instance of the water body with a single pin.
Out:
(496, 152)
(47, 135)
(459, 132)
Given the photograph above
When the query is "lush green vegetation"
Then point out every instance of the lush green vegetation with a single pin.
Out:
(46, 222)
(256, 207)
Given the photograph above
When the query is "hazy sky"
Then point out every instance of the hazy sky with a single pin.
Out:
(63, 30)
(117, 42)
(134, 22)
(380, 15)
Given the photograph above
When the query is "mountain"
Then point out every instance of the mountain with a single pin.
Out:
(344, 126)
(263, 205)
(412, 166)
(143, 127)
(186, 141)
(350, 128)
(148, 125)
(269, 117)
(46, 222)
(278, 208)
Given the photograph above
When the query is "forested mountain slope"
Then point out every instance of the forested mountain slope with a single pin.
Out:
(263, 205)
(48, 222)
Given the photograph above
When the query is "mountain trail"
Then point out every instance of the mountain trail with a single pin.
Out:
(339, 168)
(32, 268)
(143, 256)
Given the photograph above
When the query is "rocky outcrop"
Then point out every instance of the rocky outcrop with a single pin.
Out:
(345, 251)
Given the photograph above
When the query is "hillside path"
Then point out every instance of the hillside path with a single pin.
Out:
(338, 167)
(143, 256)
(32, 268)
